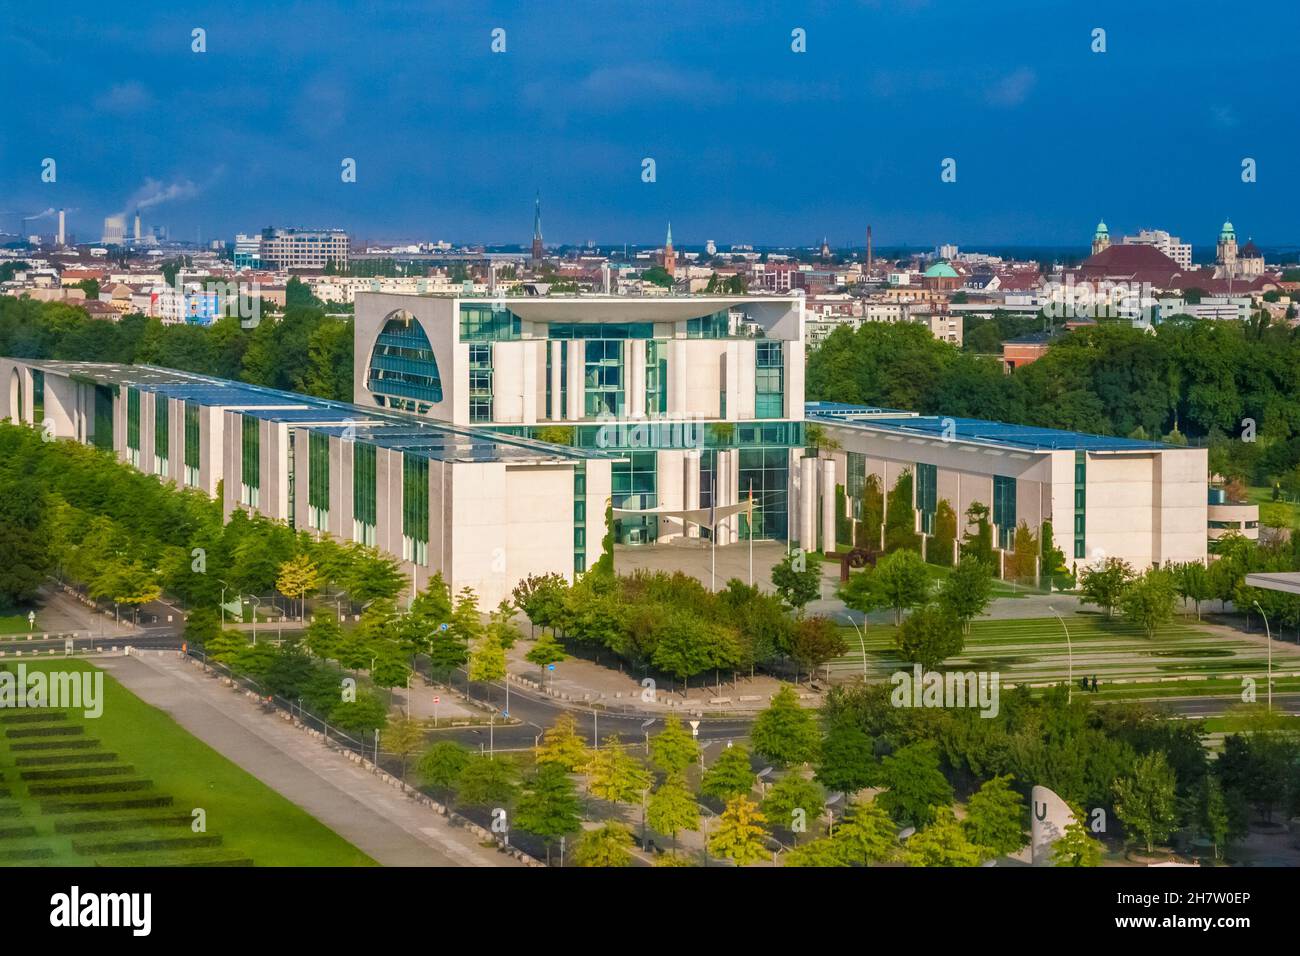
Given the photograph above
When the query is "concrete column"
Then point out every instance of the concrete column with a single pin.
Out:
(808, 504)
(691, 487)
(829, 514)
(731, 494)
(576, 369)
(677, 378)
(634, 376)
(556, 411)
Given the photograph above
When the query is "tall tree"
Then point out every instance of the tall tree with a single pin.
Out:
(1145, 800)
(738, 835)
(786, 733)
(549, 806)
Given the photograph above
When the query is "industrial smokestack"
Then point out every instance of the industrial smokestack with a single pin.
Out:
(137, 225)
(62, 222)
(870, 261)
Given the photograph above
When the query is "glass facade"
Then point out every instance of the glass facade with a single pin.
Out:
(769, 380)
(415, 508)
(656, 377)
(103, 435)
(483, 323)
(364, 499)
(318, 481)
(600, 330)
(1004, 510)
(927, 495)
(250, 462)
(855, 482)
(635, 485)
(162, 434)
(715, 326)
(580, 517)
(403, 370)
(38, 397)
(480, 383)
(132, 426)
(1080, 502)
(191, 444)
(767, 472)
(603, 378)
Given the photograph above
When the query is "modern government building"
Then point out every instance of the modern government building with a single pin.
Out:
(487, 437)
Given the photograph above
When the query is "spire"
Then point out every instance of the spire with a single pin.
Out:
(537, 217)
(669, 243)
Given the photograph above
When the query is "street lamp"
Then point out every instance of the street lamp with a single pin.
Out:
(1069, 650)
(1269, 637)
(861, 641)
(256, 602)
(224, 585)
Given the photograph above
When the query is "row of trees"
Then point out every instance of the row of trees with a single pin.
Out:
(1119, 762)
(302, 349)
(76, 512)
(1149, 598)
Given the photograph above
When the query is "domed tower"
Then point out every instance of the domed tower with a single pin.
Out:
(1101, 238)
(1226, 249)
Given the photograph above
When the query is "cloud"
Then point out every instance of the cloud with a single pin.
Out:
(123, 98)
(1223, 116)
(1012, 89)
(649, 81)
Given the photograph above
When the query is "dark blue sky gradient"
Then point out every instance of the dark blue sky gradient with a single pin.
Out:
(753, 143)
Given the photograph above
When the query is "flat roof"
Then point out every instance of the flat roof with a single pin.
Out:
(430, 438)
(976, 430)
(1286, 581)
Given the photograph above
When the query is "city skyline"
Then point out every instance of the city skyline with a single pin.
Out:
(752, 142)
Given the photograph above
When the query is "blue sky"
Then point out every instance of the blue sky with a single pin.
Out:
(752, 142)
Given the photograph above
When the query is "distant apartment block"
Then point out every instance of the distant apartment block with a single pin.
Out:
(288, 249)
(1172, 246)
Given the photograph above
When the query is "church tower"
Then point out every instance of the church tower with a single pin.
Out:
(670, 257)
(1101, 238)
(538, 251)
(1226, 249)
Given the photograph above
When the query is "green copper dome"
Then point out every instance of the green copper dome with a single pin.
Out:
(1102, 230)
(941, 270)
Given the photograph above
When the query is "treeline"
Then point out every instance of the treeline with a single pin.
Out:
(75, 512)
(1131, 763)
(1228, 385)
(302, 349)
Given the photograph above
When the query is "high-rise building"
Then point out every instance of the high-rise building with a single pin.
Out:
(1180, 252)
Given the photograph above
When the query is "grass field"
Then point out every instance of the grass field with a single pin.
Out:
(121, 790)
(1181, 660)
(15, 623)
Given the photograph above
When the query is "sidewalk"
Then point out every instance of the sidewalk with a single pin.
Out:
(373, 816)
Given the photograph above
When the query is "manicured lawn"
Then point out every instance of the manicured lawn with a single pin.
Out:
(155, 759)
(1181, 660)
(16, 623)
(1261, 495)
